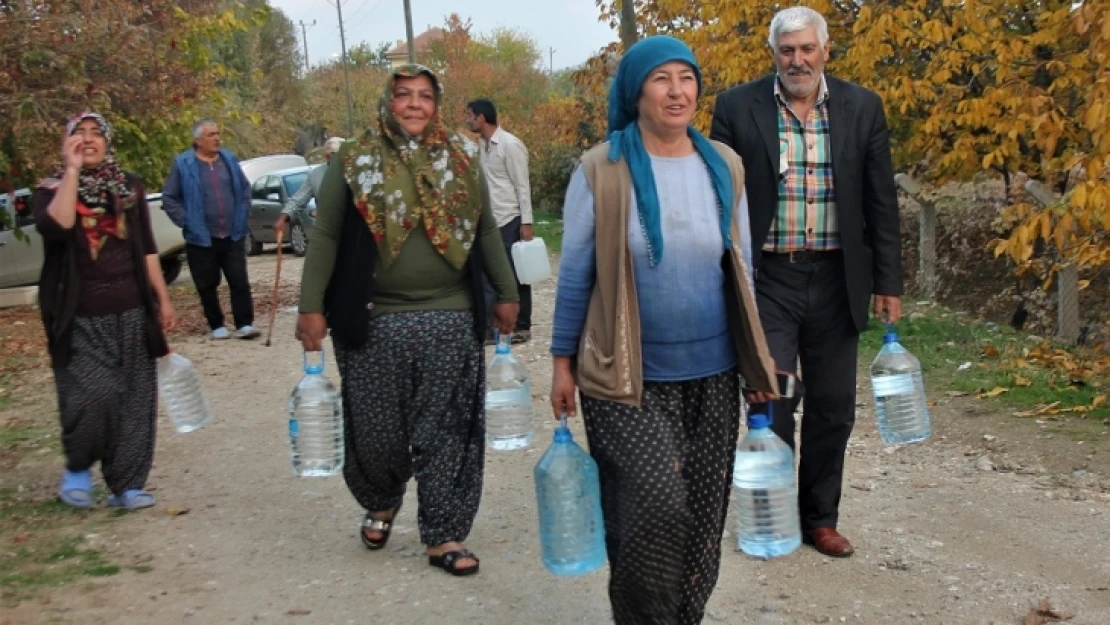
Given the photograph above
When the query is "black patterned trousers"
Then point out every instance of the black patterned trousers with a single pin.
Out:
(108, 399)
(414, 405)
(666, 471)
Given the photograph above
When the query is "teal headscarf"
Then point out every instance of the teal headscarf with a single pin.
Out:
(625, 140)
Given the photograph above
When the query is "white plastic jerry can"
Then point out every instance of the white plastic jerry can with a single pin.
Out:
(531, 261)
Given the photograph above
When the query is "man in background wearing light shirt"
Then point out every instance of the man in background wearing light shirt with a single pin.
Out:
(504, 161)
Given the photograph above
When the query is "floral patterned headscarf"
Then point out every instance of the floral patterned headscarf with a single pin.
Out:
(99, 184)
(400, 182)
(102, 191)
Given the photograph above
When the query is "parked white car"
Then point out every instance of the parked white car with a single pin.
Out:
(21, 260)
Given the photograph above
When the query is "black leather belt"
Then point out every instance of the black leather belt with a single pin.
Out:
(803, 256)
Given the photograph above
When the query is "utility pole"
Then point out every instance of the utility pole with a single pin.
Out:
(408, 31)
(346, 75)
(628, 24)
(304, 38)
(551, 61)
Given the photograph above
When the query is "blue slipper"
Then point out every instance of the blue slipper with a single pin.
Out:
(76, 489)
(133, 499)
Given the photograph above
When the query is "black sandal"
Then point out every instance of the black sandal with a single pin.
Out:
(374, 525)
(448, 561)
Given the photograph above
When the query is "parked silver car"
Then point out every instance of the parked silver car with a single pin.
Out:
(21, 260)
(269, 193)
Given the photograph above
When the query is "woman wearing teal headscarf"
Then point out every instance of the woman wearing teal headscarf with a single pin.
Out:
(655, 323)
(402, 240)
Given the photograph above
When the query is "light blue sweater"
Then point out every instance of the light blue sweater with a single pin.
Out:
(684, 321)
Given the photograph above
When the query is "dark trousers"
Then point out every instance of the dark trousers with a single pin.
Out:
(206, 264)
(413, 407)
(510, 233)
(665, 470)
(108, 399)
(805, 315)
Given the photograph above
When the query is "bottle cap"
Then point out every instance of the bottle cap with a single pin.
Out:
(890, 337)
(758, 421)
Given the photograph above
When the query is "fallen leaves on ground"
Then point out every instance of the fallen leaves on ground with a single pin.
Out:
(995, 392)
(1044, 613)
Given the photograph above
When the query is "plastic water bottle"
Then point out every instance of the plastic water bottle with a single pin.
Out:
(508, 400)
(899, 389)
(316, 423)
(765, 494)
(182, 396)
(568, 497)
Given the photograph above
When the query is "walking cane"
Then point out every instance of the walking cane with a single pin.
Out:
(277, 281)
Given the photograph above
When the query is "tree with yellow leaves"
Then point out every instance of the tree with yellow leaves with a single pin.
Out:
(1005, 87)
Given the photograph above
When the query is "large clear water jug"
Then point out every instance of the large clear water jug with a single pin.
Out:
(531, 261)
(899, 390)
(765, 494)
(181, 393)
(508, 400)
(568, 497)
(316, 422)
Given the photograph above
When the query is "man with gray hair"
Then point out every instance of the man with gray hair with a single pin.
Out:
(208, 196)
(825, 241)
(309, 189)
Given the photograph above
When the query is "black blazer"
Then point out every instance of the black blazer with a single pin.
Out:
(746, 118)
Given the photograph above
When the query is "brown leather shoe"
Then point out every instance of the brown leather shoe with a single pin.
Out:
(829, 542)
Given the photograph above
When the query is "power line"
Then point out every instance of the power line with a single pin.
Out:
(353, 15)
(367, 15)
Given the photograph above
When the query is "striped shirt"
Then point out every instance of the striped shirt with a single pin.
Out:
(806, 218)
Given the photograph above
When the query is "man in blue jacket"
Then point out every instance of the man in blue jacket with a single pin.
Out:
(208, 196)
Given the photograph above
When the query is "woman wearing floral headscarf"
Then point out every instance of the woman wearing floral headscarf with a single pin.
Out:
(403, 237)
(104, 306)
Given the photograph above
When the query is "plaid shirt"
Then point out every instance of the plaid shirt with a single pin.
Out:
(806, 218)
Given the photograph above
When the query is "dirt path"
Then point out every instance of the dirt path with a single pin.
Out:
(941, 538)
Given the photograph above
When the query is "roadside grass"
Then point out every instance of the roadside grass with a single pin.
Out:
(46, 545)
(549, 227)
(1026, 375)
